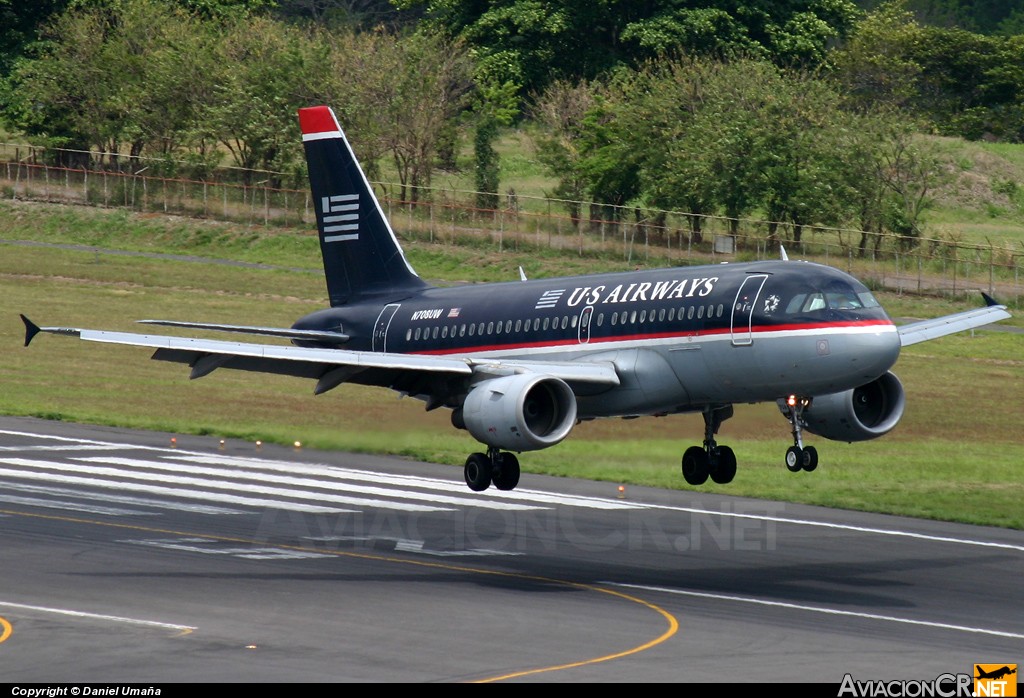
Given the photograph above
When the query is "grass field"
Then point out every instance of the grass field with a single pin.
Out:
(957, 455)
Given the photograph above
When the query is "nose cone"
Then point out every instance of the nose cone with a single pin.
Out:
(870, 354)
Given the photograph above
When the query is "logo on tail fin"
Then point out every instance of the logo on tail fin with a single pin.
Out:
(341, 214)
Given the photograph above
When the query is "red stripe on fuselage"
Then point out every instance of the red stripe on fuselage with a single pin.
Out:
(569, 343)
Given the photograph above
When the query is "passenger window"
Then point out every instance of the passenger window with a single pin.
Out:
(444, 332)
(721, 310)
(643, 315)
(436, 330)
(671, 314)
(519, 325)
(408, 334)
(547, 323)
(462, 330)
(490, 328)
(615, 319)
(472, 330)
(689, 313)
(700, 312)
(632, 318)
(417, 333)
(565, 321)
(600, 319)
(508, 326)
(572, 321)
(661, 315)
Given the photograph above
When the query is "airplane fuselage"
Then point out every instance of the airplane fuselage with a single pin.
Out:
(684, 337)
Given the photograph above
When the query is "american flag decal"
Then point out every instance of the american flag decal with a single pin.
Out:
(454, 312)
(549, 299)
(341, 214)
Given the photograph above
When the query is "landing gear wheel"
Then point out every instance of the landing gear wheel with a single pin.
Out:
(810, 458)
(506, 472)
(723, 467)
(478, 472)
(696, 465)
(794, 459)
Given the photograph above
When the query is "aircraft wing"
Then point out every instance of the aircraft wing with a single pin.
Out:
(950, 324)
(330, 367)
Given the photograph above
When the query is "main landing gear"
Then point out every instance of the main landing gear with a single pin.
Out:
(498, 467)
(798, 456)
(711, 460)
(719, 462)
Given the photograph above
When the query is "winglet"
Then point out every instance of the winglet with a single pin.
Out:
(782, 253)
(31, 329)
(989, 300)
(522, 274)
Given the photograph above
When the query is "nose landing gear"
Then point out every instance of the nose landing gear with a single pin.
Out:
(798, 456)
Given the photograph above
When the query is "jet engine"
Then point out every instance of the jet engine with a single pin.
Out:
(524, 412)
(860, 414)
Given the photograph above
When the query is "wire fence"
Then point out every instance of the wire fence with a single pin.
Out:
(520, 223)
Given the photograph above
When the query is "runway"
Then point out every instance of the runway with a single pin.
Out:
(125, 559)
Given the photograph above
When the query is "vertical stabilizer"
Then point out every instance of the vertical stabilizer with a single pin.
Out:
(362, 257)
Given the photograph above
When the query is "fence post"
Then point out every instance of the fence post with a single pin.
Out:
(991, 269)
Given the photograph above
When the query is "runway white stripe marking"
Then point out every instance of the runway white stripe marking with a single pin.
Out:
(96, 447)
(166, 491)
(473, 499)
(206, 484)
(821, 609)
(755, 517)
(843, 527)
(252, 553)
(71, 506)
(118, 499)
(96, 616)
(320, 483)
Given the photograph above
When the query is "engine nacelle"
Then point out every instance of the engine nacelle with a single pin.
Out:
(524, 412)
(860, 414)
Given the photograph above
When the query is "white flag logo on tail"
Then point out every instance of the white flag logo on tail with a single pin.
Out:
(341, 215)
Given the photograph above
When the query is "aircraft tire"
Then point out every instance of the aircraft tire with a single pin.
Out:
(695, 466)
(478, 472)
(794, 459)
(724, 468)
(506, 475)
(810, 458)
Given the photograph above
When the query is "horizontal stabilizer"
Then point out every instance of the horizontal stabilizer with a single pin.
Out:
(951, 324)
(284, 332)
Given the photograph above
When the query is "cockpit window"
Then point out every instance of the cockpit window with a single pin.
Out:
(836, 296)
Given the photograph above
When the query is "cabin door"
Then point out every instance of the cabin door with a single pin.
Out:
(743, 309)
(380, 328)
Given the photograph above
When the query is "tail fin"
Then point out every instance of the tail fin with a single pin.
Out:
(361, 254)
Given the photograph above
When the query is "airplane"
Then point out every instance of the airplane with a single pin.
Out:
(520, 363)
(995, 674)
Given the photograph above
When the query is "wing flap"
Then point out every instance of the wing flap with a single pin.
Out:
(283, 332)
